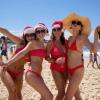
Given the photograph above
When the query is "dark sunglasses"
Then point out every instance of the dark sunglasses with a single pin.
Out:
(40, 31)
(56, 29)
(76, 23)
(29, 35)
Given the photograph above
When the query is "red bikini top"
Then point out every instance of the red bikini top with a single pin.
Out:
(22, 60)
(38, 52)
(18, 50)
(56, 52)
(27, 59)
(73, 46)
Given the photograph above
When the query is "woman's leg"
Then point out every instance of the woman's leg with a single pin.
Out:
(77, 95)
(38, 84)
(9, 83)
(74, 82)
(19, 83)
(60, 82)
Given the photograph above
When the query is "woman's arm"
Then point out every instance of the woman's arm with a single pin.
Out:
(21, 54)
(96, 37)
(89, 44)
(12, 37)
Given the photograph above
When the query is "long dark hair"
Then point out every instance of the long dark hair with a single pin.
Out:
(25, 40)
(62, 38)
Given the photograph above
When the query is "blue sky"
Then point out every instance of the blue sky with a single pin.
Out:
(16, 14)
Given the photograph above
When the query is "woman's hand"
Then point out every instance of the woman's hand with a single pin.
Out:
(60, 60)
(5, 66)
(96, 37)
(96, 34)
(1, 63)
(50, 60)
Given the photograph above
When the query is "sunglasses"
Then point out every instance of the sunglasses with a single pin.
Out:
(40, 31)
(29, 35)
(56, 29)
(76, 23)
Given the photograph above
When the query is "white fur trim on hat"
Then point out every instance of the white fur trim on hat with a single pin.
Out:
(39, 26)
(56, 25)
(29, 30)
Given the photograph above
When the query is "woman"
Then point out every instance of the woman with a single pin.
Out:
(37, 52)
(95, 60)
(80, 28)
(13, 76)
(56, 51)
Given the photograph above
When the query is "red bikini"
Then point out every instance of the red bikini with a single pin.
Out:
(14, 74)
(73, 47)
(39, 53)
(56, 53)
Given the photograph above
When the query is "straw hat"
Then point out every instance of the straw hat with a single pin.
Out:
(74, 17)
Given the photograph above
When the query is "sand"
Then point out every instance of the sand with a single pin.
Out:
(90, 85)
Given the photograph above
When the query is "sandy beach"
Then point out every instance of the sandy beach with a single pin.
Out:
(90, 85)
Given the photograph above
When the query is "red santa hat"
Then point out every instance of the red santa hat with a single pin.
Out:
(28, 29)
(57, 24)
(41, 25)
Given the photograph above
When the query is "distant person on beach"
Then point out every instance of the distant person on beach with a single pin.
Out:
(95, 60)
(91, 60)
(37, 52)
(12, 77)
(80, 28)
(4, 48)
(11, 50)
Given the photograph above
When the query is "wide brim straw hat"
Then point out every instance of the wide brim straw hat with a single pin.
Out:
(67, 21)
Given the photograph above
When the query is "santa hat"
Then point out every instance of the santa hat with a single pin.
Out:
(28, 29)
(57, 24)
(41, 25)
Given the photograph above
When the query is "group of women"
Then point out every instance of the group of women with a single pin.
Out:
(65, 58)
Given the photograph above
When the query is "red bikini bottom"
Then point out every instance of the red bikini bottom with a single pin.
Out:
(72, 70)
(14, 74)
(58, 67)
(32, 71)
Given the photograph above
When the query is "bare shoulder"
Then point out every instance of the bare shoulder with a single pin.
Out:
(83, 37)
